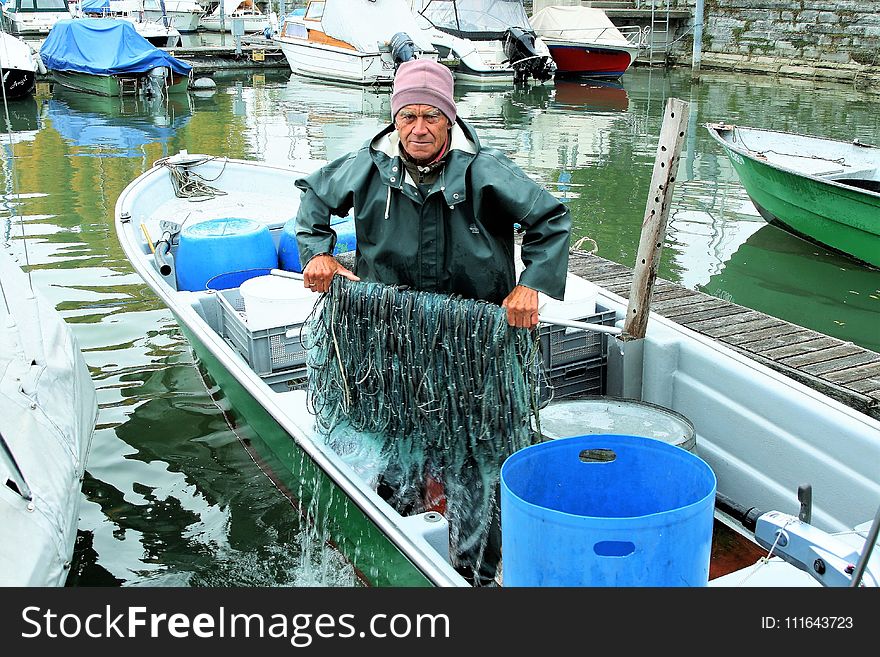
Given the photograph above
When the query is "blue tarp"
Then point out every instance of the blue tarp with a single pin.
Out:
(103, 46)
(103, 126)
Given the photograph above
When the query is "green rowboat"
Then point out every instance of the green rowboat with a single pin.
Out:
(823, 190)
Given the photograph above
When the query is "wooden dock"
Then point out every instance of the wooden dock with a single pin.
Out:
(255, 53)
(842, 370)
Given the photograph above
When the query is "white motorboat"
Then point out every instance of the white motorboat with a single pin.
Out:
(353, 41)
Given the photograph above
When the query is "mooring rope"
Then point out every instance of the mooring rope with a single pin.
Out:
(447, 384)
(189, 184)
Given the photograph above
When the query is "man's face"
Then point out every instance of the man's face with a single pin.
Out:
(423, 131)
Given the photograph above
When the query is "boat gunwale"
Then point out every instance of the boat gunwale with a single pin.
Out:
(716, 128)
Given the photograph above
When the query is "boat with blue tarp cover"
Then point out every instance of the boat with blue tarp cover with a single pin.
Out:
(108, 57)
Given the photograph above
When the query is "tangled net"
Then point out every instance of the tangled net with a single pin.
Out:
(442, 385)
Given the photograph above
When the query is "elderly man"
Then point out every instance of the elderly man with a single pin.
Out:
(435, 211)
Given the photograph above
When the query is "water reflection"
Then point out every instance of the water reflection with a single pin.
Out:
(116, 126)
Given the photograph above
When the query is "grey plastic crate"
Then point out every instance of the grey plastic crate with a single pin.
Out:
(268, 351)
(287, 380)
(583, 378)
(561, 345)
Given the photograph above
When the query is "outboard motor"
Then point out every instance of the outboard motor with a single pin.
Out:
(402, 49)
(520, 50)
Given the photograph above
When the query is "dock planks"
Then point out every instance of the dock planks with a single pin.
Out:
(841, 370)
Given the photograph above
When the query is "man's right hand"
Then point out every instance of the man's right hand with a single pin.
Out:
(321, 269)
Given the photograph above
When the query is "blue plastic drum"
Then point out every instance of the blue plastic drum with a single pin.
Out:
(220, 246)
(606, 510)
(288, 251)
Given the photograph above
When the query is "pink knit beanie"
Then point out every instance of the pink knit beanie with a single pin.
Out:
(423, 82)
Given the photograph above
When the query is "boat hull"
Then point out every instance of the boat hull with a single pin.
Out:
(251, 23)
(584, 60)
(18, 83)
(182, 21)
(108, 85)
(324, 506)
(335, 64)
(837, 216)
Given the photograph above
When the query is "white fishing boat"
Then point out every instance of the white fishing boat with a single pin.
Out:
(221, 18)
(48, 410)
(485, 41)
(763, 435)
(352, 41)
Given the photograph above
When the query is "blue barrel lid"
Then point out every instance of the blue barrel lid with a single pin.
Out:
(224, 226)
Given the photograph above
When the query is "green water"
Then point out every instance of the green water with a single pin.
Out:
(171, 496)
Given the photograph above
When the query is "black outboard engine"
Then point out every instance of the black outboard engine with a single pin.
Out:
(402, 49)
(519, 48)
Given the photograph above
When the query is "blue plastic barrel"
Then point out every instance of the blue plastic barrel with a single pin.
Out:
(220, 246)
(288, 251)
(606, 510)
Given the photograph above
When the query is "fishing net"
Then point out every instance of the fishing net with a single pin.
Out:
(437, 388)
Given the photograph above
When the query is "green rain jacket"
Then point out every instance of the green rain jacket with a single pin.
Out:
(458, 239)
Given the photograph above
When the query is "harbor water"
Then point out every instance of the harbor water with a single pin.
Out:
(172, 496)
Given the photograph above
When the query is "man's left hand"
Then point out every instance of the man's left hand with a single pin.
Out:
(522, 307)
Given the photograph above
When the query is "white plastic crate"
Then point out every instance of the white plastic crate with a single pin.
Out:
(268, 351)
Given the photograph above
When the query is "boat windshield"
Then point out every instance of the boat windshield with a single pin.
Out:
(42, 5)
(474, 19)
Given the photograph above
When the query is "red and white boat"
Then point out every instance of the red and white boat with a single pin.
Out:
(584, 42)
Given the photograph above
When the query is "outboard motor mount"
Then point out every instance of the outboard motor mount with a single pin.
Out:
(402, 48)
(520, 50)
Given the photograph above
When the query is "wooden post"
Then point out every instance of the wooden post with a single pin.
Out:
(672, 133)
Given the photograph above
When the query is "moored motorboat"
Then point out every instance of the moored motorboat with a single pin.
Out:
(584, 42)
(824, 190)
(20, 65)
(485, 41)
(108, 57)
(762, 433)
(32, 19)
(227, 11)
(352, 41)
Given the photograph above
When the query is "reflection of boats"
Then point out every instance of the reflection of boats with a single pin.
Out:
(116, 126)
(357, 41)
(33, 17)
(584, 42)
(181, 14)
(19, 67)
(780, 441)
(824, 190)
(776, 273)
(24, 115)
(107, 56)
(592, 94)
(220, 20)
(160, 33)
(488, 40)
(48, 410)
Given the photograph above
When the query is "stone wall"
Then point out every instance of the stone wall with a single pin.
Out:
(830, 39)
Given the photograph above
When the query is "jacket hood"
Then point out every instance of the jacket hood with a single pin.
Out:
(385, 151)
